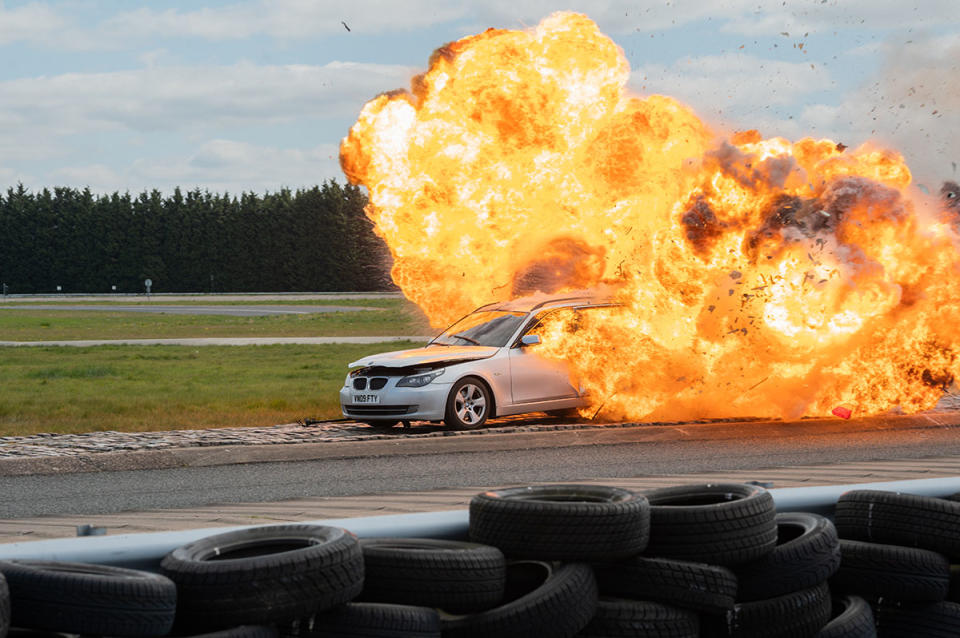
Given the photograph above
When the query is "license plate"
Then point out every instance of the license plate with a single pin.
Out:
(366, 398)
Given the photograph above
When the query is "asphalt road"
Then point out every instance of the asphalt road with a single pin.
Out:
(224, 310)
(558, 458)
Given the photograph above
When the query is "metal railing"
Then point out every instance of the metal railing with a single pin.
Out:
(144, 551)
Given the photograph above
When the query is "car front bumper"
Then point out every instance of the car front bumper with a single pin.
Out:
(401, 404)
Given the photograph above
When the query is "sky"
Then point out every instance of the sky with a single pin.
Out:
(255, 95)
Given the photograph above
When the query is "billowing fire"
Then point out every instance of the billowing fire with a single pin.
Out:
(757, 276)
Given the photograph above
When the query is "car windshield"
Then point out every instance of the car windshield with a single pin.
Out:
(484, 328)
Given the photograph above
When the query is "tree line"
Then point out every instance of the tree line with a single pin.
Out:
(315, 239)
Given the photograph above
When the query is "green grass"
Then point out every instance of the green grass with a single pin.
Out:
(139, 388)
(386, 317)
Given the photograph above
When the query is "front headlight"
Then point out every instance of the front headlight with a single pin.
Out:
(419, 380)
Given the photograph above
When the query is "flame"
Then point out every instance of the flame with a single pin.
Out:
(757, 276)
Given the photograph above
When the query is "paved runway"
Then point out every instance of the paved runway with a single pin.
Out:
(223, 310)
(216, 341)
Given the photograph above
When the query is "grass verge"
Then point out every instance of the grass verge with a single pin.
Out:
(142, 388)
(389, 317)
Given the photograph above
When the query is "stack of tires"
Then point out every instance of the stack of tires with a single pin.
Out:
(897, 551)
(710, 560)
(554, 561)
(241, 584)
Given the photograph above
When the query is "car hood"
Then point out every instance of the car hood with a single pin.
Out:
(429, 355)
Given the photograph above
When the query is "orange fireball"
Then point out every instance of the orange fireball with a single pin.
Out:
(758, 277)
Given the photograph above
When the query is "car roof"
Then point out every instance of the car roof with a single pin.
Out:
(536, 302)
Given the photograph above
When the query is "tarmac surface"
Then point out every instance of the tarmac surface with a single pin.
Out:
(227, 311)
(213, 341)
(349, 471)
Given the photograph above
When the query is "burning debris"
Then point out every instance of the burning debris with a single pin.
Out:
(757, 276)
(950, 193)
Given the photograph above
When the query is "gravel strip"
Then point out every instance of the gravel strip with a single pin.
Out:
(65, 445)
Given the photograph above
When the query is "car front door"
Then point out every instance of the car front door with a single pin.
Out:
(534, 378)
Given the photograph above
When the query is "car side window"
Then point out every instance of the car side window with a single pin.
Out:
(545, 321)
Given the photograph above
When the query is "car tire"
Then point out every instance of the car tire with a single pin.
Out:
(799, 613)
(707, 588)
(900, 519)
(894, 572)
(851, 617)
(263, 575)
(81, 598)
(622, 618)
(457, 576)
(806, 554)
(542, 599)
(561, 522)
(915, 620)
(375, 620)
(468, 404)
(720, 524)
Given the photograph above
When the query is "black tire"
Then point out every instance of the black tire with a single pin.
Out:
(561, 522)
(953, 593)
(900, 519)
(457, 576)
(799, 614)
(874, 570)
(376, 620)
(616, 618)
(543, 599)
(469, 404)
(4, 606)
(806, 554)
(82, 598)
(851, 617)
(918, 620)
(708, 588)
(243, 631)
(263, 575)
(720, 524)
(386, 424)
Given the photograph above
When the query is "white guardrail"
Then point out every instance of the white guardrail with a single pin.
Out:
(144, 551)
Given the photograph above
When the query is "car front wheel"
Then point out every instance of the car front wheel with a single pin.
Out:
(468, 404)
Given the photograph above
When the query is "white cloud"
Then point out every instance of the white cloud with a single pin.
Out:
(173, 98)
(745, 17)
(217, 165)
(732, 83)
(772, 17)
(10, 176)
(281, 19)
(914, 104)
(230, 165)
(98, 177)
(34, 22)
(52, 25)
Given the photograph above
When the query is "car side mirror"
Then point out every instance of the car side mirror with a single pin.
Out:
(529, 340)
